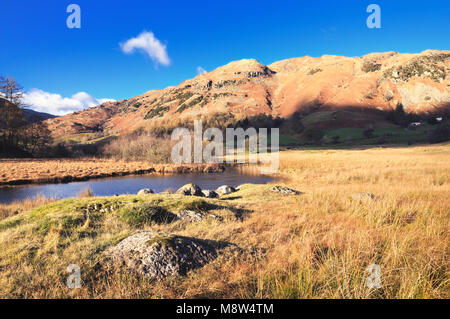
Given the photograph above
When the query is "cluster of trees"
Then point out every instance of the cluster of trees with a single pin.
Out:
(402, 118)
(17, 137)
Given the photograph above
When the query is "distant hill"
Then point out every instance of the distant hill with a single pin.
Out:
(29, 115)
(32, 116)
(328, 92)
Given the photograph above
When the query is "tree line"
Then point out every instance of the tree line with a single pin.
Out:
(18, 138)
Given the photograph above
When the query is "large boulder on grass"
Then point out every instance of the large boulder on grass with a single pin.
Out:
(190, 190)
(225, 190)
(158, 255)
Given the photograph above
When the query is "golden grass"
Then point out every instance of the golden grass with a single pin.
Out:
(314, 245)
(86, 192)
(28, 171)
(14, 208)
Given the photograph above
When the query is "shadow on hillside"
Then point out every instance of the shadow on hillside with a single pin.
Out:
(356, 127)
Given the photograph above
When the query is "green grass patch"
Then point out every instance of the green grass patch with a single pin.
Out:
(189, 104)
(157, 111)
(10, 223)
(317, 117)
(286, 140)
(141, 214)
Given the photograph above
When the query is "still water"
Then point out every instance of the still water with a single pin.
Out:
(130, 185)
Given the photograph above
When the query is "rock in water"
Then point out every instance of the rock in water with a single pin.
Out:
(225, 190)
(158, 255)
(210, 194)
(145, 191)
(284, 190)
(190, 190)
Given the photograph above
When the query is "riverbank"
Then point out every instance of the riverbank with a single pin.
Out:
(46, 171)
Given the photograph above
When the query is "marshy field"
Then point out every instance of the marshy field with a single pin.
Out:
(383, 206)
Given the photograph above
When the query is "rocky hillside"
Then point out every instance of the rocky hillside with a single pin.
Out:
(378, 81)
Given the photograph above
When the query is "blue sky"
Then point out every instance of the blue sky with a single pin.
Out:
(40, 51)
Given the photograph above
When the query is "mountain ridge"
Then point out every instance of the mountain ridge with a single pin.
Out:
(243, 88)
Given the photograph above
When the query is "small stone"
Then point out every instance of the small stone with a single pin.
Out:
(145, 191)
(284, 190)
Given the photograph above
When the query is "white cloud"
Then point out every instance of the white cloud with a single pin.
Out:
(146, 42)
(55, 104)
(201, 70)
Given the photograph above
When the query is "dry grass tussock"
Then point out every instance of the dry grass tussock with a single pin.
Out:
(7, 210)
(314, 245)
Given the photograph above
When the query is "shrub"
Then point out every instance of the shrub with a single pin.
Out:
(370, 67)
(398, 116)
(314, 71)
(59, 150)
(313, 134)
(335, 139)
(189, 104)
(430, 66)
(139, 147)
(440, 133)
(87, 192)
(157, 111)
(368, 132)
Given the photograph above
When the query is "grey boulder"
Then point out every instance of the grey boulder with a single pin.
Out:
(192, 216)
(159, 255)
(225, 190)
(190, 190)
(145, 191)
(210, 194)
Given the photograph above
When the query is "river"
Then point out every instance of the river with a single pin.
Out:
(130, 185)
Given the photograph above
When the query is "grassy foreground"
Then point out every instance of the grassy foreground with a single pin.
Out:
(314, 245)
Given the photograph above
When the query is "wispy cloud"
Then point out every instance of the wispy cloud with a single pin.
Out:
(53, 103)
(147, 43)
(201, 70)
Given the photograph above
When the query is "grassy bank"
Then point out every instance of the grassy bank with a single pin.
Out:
(314, 245)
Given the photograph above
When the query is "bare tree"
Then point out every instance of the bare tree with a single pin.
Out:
(35, 137)
(11, 90)
(11, 113)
